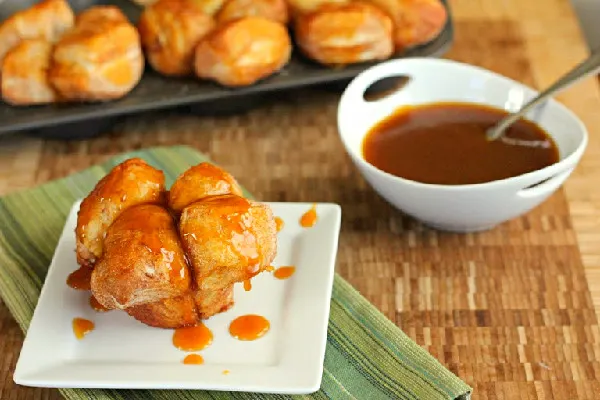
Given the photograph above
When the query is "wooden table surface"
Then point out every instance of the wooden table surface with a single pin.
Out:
(530, 41)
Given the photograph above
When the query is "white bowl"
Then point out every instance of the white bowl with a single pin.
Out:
(462, 207)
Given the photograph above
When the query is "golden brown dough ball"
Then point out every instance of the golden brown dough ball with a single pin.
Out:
(100, 59)
(415, 21)
(243, 51)
(25, 73)
(143, 260)
(47, 20)
(345, 34)
(170, 31)
(301, 7)
(227, 239)
(131, 183)
(210, 7)
(275, 10)
(200, 181)
(421, 22)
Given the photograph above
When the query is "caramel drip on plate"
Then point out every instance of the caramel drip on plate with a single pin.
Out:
(279, 223)
(249, 327)
(192, 338)
(80, 279)
(284, 272)
(82, 327)
(193, 359)
(309, 218)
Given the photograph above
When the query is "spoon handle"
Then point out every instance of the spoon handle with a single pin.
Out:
(583, 70)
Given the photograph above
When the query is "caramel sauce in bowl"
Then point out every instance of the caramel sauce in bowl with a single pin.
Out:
(445, 144)
(450, 193)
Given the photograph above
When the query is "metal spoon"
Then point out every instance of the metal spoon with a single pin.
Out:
(583, 70)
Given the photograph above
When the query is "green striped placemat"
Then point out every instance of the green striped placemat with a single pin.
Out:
(367, 356)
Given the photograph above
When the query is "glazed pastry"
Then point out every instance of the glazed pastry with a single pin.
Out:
(275, 10)
(228, 239)
(209, 7)
(345, 34)
(170, 31)
(128, 184)
(27, 86)
(301, 7)
(48, 20)
(421, 21)
(143, 270)
(198, 182)
(100, 59)
(163, 269)
(243, 51)
(415, 21)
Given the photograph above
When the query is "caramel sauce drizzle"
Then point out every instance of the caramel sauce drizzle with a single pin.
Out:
(82, 327)
(193, 359)
(80, 278)
(309, 218)
(249, 327)
(284, 272)
(279, 223)
(193, 338)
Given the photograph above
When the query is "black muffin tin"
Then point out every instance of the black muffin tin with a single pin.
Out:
(155, 92)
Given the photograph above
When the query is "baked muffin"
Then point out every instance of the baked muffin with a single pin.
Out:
(25, 73)
(243, 51)
(415, 21)
(345, 34)
(170, 31)
(48, 20)
(275, 10)
(100, 59)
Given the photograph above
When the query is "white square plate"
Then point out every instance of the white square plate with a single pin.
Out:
(123, 353)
